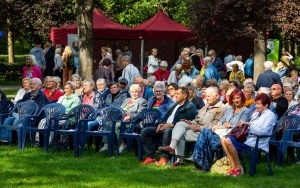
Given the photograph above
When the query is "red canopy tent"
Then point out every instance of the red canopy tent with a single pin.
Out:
(161, 27)
(103, 28)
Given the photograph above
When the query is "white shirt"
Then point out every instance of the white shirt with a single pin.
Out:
(171, 117)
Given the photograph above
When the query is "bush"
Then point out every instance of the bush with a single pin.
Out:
(17, 58)
(11, 71)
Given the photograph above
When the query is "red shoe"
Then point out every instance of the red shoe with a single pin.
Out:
(167, 149)
(162, 161)
(230, 172)
(148, 160)
(238, 172)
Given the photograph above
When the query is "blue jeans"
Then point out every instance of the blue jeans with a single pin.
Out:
(5, 135)
(149, 136)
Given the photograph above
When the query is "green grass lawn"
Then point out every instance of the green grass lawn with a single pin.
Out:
(35, 168)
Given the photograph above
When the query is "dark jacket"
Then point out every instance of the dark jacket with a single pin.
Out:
(105, 73)
(218, 64)
(186, 111)
(267, 78)
(121, 96)
(163, 108)
(40, 98)
(198, 102)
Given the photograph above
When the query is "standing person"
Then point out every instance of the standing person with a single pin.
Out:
(49, 56)
(118, 65)
(68, 61)
(210, 71)
(269, 77)
(31, 70)
(249, 66)
(38, 53)
(153, 62)
(130, 71)
(58, 69)
(126, 51)
(104, 71)
(216, 61)
(195, 58)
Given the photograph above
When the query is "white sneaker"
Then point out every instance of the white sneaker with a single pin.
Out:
(104, 148)
(122, 148)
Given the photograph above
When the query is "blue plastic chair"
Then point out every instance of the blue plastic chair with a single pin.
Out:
(75, 122)
(23, 109)
(293, 122)
(109, 117)
(146, 118)
(52, 112)
(254, 153)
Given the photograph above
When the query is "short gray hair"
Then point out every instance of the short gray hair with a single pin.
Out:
(252, 89)
(268, 65)
(159, 84)
(76, 76)
(126, 58)
(207, 60)
(101, 81)
(37, 80)
(163, 64)
(33, 60)
(212, 89)
(135, 87)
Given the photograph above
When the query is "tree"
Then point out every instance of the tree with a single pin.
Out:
(84, 10)
(235, 18)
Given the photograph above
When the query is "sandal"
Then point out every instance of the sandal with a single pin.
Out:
(230, 172)
(238, 172)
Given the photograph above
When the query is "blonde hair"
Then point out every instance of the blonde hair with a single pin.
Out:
(68, 50)
(134, 87)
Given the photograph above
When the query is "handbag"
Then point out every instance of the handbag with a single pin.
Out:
(240, 133)
(221, 166)
(145, 68)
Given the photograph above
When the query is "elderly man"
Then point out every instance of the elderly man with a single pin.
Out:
(146, 92)
(130, 71)
(210, 71)
(51, 91)
(278, 101)
(186, 130)
(267, 78)
(182, 109)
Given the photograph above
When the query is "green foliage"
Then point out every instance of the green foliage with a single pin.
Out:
(35, 168)
(19, 59)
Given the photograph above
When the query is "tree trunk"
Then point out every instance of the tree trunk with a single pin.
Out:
(84, 11)
(10, 44)
(259, 54)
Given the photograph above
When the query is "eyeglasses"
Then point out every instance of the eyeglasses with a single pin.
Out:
(157, 91)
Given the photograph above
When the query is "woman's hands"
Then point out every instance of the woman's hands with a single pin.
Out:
(243, 123)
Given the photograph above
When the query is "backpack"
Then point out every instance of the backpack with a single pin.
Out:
(70, 61)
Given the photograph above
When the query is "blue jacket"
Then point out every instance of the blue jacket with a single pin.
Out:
(218, 64)
(267, 78)
(193, 73)
(249, 67)
(211, 72)
(40, 98)
(283, 72)
(163, 108)
(148, 93)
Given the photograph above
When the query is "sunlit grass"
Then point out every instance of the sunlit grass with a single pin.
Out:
(35, 168)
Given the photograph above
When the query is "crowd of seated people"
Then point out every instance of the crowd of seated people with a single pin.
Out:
(195, 99)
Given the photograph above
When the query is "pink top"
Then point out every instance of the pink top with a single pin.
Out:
(35, 73)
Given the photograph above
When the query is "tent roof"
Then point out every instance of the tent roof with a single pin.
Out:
(161, 27)
(103, 28)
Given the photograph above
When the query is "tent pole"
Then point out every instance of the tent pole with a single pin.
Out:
(142, 56)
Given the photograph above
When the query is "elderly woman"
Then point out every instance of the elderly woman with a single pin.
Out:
(162, 74)
(196, 100)
(153, 62)
(76, 79)
(26, 82)
(31, 70)
(132, 106)
(236, 74)
(235, 113)
(290, 95)
(262, 122)
(224, 84)
(249, 93)
(69, 100)
(171, 91)
(160, 100)
(102, 87)
(115, 94)
(175, 75)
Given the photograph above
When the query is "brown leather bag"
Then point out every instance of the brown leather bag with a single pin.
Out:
(240, 132)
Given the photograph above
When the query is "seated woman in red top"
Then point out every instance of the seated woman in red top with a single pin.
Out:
(51, 91)
(31, 70)
(162, 74)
